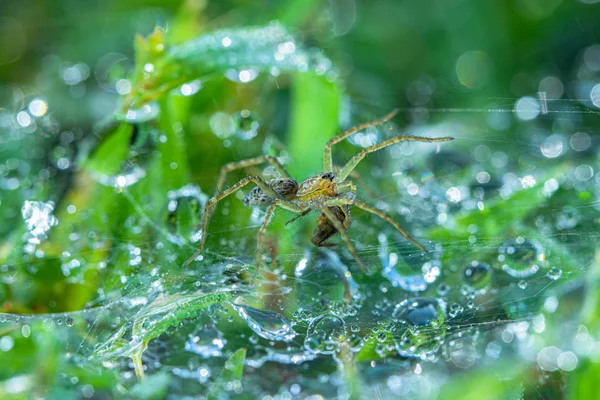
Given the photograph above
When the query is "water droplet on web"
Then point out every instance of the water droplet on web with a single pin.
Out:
(184, 210)
(522, 284)
(208, 342)
(323, 283)
(246, 124)
(132, 168)
(355, 342)
(454, 310)
(412, 271)
(324, 334)
(267, 324)
(554, 273)
(521, 258)
(477, 275)
(419, 326)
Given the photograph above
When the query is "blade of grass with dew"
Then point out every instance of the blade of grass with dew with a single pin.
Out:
(241, 52)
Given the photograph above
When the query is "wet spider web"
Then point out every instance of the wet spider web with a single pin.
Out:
(495, 286)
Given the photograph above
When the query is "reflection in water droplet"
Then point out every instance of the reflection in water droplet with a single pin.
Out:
(324, 334)
(521, 258)
(411, 272)
(184, 208)
(267, 324)
(477, 275)
(246, 124)
(324, 283)
(419, 329)
(132, 168)
(208, 342)
(554, 273)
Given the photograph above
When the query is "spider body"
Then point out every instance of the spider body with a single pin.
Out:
(286, 188)
(331, 194)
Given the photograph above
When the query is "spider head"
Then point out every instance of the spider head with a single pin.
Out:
(317, 186)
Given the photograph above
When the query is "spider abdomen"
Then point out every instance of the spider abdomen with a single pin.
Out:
(285, 187)
(325, 228)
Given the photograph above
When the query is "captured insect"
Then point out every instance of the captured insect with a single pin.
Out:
(330, 193)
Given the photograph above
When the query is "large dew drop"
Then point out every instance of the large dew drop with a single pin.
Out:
(184, 211)
(521, 258)
(411, 272)
(323, 283)
(267, 324)
(130, 149)
(419, 327)
(477, 275)
(324, 334)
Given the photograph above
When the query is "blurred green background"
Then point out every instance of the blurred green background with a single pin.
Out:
(116, 117)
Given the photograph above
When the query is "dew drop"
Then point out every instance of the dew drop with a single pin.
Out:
(324, 334)
(477, 275)
(554, 273)
(419, 329)
(246, 125)
(145, 113)
(184, 209)
(411, 272)
(267, 324)
(521, 258)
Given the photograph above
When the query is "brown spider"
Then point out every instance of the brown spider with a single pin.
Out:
(330, 193)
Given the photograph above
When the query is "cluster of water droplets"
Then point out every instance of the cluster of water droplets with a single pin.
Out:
(248, 51)
(39, 218)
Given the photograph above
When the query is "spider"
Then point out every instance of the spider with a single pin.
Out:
(330, 193)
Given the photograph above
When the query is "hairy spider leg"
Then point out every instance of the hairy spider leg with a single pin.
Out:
(214, 200)
(232, 166)
(350, 165)
(340, 228)
(327, 161)
(372, 210)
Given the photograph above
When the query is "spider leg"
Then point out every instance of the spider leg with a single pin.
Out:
(261, 234)
(232, 166)
(340, 228)
(327, 163)
(372, 210)
(302, 214)
(214, 200)
(350, 165)
(263, 228)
